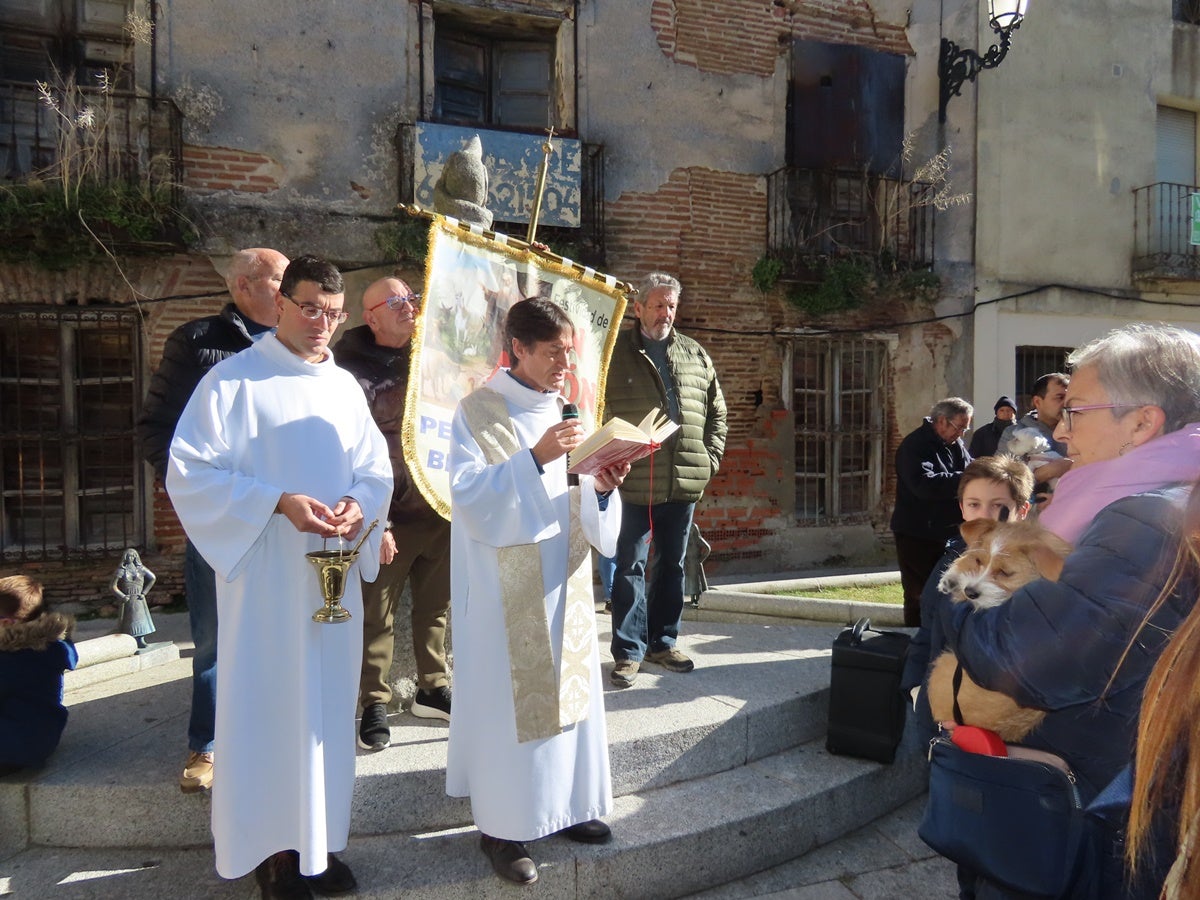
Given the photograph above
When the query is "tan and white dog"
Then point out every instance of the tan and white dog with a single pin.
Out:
(1000, 558)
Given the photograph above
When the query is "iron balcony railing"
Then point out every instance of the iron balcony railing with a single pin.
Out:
(585, 244)
(125, 136)
(813, 215)
(1163, 230)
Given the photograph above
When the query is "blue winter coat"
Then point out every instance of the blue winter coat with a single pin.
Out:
(1055, 645)
(33, 656)
(929, 641)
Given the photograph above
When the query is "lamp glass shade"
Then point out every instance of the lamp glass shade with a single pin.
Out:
(1005, 15)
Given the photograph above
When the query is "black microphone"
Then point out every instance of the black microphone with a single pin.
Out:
(570, 413)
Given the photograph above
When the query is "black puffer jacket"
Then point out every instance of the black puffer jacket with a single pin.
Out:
(691, 456)
(383, 374)
(927, 474)
(190, 351)
(1055, 645)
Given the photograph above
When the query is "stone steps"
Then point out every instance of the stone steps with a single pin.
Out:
(718, 774)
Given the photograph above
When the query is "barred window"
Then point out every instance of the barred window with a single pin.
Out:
(70, 468)
(839, 399)
(1032, 364)
(1186, 11)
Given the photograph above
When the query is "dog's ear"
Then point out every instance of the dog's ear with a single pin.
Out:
(1047, 560)
(974, 532)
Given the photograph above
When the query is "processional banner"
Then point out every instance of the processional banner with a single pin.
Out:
(472, 278)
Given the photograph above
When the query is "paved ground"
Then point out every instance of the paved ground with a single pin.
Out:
(882, 861)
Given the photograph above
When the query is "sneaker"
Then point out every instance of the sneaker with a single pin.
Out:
(432, 704)
(373, 732)
(197, 773)
(624, 672)
(671, 660)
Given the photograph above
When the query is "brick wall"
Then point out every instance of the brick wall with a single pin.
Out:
(706, 227)
(745, 37)
(228, 169)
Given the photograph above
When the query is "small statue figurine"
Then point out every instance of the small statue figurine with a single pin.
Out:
(132, 582)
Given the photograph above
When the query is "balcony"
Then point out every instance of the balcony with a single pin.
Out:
(1163, 232)
(814, 216)
(571, 220)
(120, 148)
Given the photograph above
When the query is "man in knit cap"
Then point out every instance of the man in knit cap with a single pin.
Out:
(987, 437)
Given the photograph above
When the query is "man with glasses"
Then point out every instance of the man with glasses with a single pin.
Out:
(275, 455)
(416, 547)
(929, 464)
(1049, 394)
(192, 349)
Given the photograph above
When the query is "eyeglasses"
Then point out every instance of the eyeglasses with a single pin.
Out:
(1068, 411)
(396, 301)
(959, 429)
(313, 312)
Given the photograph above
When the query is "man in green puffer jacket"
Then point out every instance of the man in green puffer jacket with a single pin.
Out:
(654, 365)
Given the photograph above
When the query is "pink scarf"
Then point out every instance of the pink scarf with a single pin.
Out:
(1084, 491)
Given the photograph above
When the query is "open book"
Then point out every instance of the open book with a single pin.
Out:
(619, 442)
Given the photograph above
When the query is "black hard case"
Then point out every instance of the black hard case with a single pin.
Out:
(866, 706)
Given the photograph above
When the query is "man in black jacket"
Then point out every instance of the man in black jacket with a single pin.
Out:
(192, 349)
(416, 546)
(929, 464)
(987, 437)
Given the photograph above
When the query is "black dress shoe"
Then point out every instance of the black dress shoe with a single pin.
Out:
(337, 879)
(510, 859)
(592, 831)
(279, 877)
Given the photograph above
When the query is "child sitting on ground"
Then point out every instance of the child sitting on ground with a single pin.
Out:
(991, 487)
(34, 651)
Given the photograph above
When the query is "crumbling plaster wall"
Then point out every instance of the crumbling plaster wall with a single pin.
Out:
(318, 88)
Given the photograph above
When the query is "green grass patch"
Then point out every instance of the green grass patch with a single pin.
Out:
(873, 593)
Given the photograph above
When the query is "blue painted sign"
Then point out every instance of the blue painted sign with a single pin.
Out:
(512, 161)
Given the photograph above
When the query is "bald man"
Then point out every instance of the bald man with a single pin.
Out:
(416, 546)
(253, 279)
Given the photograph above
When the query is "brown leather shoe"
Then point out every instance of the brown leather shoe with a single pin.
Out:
(510, 859)
(279, 877)
(593, 831)
(197, 773)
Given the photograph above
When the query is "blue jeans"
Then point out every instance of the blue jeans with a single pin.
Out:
(646, 616)
(608, 569)
(200, 586)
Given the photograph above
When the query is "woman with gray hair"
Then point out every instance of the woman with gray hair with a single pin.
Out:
(1131, 422)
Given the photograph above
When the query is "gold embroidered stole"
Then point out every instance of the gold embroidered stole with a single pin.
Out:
(545, 701)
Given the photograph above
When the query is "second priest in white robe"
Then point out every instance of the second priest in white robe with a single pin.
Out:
(522, 789)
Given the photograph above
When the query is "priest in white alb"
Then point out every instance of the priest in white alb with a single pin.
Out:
(275, 454)
(528, 742)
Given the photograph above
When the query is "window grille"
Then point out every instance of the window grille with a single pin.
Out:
(839, 397)
(1032, 364)
(70, 466)
(1186, 11)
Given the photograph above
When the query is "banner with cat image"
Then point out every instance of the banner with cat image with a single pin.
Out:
(472, 278)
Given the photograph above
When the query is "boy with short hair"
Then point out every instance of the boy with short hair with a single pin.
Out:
(992, 487)
(34, 651)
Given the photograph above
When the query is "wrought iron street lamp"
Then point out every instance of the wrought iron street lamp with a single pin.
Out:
(957, 66)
